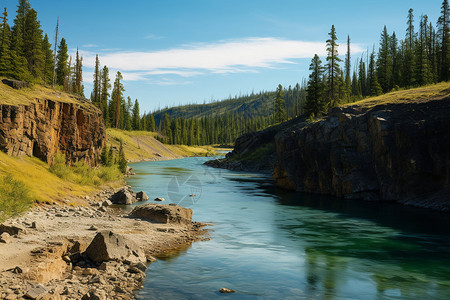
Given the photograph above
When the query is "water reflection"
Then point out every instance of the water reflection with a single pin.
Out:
(272, 244)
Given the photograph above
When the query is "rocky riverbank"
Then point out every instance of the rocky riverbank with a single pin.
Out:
(97, 251)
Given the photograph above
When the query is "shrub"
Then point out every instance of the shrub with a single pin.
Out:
(83, 174)
(14, 197)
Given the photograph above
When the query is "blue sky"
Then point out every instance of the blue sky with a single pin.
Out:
(177, 52)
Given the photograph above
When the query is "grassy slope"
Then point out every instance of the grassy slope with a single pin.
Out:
(429, 92)
(10, 96)
(141, 145)
(44, 186)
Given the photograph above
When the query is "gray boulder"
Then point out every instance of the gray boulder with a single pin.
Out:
(107, 245)
(166, 214)
(141, 196)
(123, 196)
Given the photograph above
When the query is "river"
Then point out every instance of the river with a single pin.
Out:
(267, 243)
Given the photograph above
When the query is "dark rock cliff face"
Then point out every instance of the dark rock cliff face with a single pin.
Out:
(392, 152)
(46, 127)
(397, 152)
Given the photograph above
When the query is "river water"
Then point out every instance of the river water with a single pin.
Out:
(271, 244)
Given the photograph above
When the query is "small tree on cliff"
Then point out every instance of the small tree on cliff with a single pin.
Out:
(122, 160)
(279, 110)
(315, 104)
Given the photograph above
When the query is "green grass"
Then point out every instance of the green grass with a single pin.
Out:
(14, 197)
(429, 92)
(82, 174)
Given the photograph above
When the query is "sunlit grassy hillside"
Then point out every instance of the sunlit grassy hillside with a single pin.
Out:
(142, 145)
(429, 92)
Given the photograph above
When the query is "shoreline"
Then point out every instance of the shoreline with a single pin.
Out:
(39, 254)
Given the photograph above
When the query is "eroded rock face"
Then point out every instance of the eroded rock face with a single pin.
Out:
(396, 152)
(173, 214)
(45, 127)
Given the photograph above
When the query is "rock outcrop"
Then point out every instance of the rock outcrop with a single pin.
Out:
(393, 152)
(166, 214)
(107, 245)
(399, 151)
(45, 127)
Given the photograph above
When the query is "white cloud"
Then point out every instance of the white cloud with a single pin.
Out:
(153, 37)
(233, 56)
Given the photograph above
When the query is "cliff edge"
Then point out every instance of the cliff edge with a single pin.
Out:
(40, 122)
(395, 147)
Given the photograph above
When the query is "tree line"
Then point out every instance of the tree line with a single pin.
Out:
(421, 58)
(26, 53)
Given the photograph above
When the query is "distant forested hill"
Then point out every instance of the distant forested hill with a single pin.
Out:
(248, 106)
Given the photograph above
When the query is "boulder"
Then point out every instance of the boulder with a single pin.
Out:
(226, 291)
(107, 245)
(106, 203)
(15, 84)
(160, 199)
(167, 214)
(36, 292)
(123, 196)
(5, 238)
(141, 196)
(10, 229)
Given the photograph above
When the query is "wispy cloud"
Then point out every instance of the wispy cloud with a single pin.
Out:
(153, 37)
(233, 56)
(90, 46)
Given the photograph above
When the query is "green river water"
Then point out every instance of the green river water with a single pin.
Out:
(267, 243)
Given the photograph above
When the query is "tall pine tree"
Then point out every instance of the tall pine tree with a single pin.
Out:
(332, 66)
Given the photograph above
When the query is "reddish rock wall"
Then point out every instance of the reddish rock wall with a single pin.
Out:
(45, 127)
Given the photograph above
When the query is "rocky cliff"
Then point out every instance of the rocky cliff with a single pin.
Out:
(42, 127)
(383, 150)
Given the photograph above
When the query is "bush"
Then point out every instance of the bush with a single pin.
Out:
(14, 197)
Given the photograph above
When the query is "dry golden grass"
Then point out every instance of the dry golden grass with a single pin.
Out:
(25, 96)
(142, 145)
(43, 185)
(429, 92)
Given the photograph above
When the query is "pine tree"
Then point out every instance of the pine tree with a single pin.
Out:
(136, 116)
(104, 94)
(151, 122)
(78, 74)
(47, 67)
(384, 62)
(315, 104)
(333, 70)
(122, 160)
(5, 53)
(104, 156)
(18, 30)
(423, 72)
(62, 68)
(348, 79)
(96, 91)
(279, 109)
(396, 61)
(409, 59)
(117, 99)
(444, 41)
(32, 43)
(363, 78)
(375, 87)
